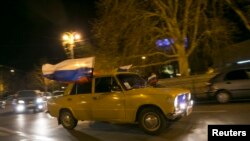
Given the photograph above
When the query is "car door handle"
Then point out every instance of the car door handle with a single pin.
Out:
(69, 99)
(228, 82)
(95, 98)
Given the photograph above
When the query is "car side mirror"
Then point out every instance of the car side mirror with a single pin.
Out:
(116, 88)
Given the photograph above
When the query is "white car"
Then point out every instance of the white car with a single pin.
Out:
(28, 99)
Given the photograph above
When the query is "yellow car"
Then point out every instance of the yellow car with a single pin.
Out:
(120, 97)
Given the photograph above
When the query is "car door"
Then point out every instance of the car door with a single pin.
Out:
(79, 100)
(108, 100)
(238, 83)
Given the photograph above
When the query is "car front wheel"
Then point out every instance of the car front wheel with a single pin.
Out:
(223, 97)
(68, 120)
(152, 121)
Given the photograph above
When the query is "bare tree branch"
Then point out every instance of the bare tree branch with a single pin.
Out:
(155, 64)
(193, 38)
(239, 13)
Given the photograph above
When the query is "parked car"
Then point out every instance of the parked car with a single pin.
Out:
(49, 95)
(2, 103)
(3, 98)
(230, 84)
(121, 97)
(57, 93)
(28, 99)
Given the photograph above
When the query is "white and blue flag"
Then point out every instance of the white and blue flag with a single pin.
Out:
(69, 70)
(124, 68)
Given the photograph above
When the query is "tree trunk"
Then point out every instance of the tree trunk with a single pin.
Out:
(183, 61)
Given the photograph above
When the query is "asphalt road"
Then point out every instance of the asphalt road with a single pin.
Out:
(41, 127)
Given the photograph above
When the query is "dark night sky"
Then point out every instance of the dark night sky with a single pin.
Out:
(31, 29)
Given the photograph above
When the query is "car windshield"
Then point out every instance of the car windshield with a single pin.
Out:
(131, 81)
(27, 94)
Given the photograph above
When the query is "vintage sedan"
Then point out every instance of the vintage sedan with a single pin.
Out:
(121, 97)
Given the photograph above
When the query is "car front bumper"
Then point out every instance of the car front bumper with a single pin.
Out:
(185, 110)
(24, 107)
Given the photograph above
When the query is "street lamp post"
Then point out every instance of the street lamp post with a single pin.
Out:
(143, 63)
(69, 39)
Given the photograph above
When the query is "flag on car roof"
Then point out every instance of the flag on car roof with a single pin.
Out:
(69, 70)
(124, 68)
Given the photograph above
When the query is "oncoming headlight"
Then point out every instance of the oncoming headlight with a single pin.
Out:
(20, 108)
(39, 100)
(176, 102)
(189, 96)
(20, 102)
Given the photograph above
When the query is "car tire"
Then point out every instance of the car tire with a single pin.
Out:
(223, 97)
(67, 120)
(152, 121)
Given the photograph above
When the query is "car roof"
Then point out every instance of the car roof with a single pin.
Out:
(112, 74)
(233, 67)
(221, 73)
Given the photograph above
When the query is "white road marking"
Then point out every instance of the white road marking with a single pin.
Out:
(6, 132)
(217, 111)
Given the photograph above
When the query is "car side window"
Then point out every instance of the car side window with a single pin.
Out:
(82, 88)
(103, 84)
(236, 75)
(106, 84)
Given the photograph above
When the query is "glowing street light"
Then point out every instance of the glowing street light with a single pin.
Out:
(69, 39)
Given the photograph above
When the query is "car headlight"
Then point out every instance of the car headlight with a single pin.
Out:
(20, 102)
(180, 101)
(183, 106)
(39, 100)
(20, 108)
